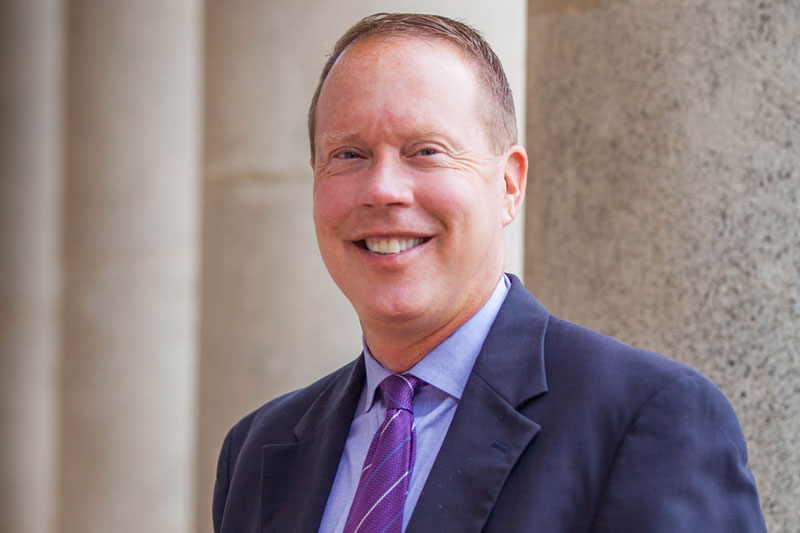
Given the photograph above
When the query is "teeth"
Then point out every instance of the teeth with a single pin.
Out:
(391, 246)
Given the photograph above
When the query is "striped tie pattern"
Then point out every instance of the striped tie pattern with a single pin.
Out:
(381, 493)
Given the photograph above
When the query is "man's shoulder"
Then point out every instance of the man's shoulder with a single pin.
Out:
(609, 377)
(530, 349)
(567, 343)
(580, 356)
(281, 423)
(633, 430)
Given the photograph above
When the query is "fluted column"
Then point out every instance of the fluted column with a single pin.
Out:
(272, 318)
(665, 198)
(130, 266)
(30, 110)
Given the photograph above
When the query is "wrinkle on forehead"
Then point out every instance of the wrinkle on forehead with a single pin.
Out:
(409, 134)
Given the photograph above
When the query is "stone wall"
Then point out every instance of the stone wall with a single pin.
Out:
(664, 197)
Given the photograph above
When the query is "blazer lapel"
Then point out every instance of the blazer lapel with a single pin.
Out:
(296, 478)
(488, 433)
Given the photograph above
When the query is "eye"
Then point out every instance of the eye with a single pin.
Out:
(427, 151)
(349, 155)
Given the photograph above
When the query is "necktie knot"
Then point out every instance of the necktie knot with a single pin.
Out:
(398, 391)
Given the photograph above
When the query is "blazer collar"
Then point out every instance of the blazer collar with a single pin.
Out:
(309, 466)
(488, 433)
(336, 404)
(512, 358)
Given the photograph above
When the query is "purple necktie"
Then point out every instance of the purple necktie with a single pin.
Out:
(381, 493)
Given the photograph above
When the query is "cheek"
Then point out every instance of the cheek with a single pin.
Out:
(326, 222)
(461, 205)
(443, 195)
(330, 207)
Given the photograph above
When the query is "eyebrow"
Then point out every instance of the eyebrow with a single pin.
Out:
(339, 137)
(352, 136)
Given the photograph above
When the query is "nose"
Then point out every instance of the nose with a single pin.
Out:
(387, 183)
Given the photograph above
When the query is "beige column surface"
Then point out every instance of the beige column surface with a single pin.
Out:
(665, 198)
(130, 251)
(272, 320)
(30, 107)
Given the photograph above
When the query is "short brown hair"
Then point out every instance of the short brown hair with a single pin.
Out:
(501, 122)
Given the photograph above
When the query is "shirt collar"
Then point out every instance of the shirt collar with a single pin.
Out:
(446, 367)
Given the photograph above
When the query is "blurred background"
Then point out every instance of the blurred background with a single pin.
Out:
(159, 276)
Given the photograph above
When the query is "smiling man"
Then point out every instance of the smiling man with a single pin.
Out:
(471, 407)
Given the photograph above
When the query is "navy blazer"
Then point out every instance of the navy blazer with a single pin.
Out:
(560, 429)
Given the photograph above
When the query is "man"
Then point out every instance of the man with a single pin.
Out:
(471, 408)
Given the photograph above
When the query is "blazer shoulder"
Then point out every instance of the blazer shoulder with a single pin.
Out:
(278, 423)
(584, 370)
(595, 377)
(279, 416)
(607, 366)
(655, 419)
(579, 368)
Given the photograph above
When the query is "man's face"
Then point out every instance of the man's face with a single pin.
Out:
(409, 198)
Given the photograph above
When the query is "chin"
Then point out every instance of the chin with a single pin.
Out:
(393, 308)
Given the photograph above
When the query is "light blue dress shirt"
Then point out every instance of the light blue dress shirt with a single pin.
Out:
(445, 370)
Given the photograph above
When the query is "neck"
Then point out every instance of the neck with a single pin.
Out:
(397, 354)
(399, 347)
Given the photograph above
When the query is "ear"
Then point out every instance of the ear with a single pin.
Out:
(311, 162)
(516, 176)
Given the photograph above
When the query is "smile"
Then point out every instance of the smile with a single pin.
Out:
(391, 246)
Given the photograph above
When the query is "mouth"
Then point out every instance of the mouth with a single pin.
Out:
(389, 246)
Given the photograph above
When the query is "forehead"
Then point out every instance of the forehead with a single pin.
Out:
(390, 81)
(390, 52)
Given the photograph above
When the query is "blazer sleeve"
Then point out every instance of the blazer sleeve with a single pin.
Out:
(222, 483)
(681, 466)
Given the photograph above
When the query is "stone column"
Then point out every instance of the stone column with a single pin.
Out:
(130, 266)
(30, 107)
(272, 320)
(665, 198)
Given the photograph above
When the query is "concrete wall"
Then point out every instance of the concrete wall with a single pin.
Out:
(130, 263)
(99, 205)
(664, 205)
(30, 187)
